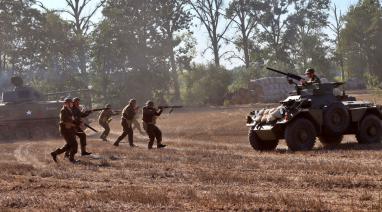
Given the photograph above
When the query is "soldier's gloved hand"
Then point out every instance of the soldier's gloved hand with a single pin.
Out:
(290, 81)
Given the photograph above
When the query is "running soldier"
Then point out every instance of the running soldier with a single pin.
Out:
(78, 115)
(67, 130)
(150, 113)
(128, 114)
(104, 119)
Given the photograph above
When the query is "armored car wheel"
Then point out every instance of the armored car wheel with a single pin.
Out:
(261, 145)
(331, 140)
(336, 119)
(370, 130)
(300, 135)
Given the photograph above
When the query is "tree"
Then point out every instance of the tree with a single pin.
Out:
(245, 20)
(18, 33)
(205, 85)
(176, 19)
(81, 24)
(336, 26)
(306, 37)
(210, 12)
(131, 51)
(274, 23)
(361, 38)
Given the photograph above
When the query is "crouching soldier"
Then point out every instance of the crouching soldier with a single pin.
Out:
(150, 113)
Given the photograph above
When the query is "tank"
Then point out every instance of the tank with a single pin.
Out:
(314, 111)
(25, 113)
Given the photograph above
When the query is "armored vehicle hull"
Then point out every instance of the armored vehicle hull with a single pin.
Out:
(29, 120)
(26, 114)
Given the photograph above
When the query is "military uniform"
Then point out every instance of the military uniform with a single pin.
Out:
(67, 130)
(103, 120)
(149, 119)
(314, 80)
(128, 114)
(78, 115)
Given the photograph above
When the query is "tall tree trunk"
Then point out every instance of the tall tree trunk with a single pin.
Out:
(174, 73)
(246, 49)
(215, 47)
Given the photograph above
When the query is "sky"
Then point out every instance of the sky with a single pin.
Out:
(200, 33)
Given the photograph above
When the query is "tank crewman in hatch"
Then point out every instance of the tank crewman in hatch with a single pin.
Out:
(150, 113)
(78, 115)
(128, 114)
(104, 119)
(68, 131)
(312, 77)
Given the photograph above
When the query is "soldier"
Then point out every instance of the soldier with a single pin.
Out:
(104, 119)
(150, 113)
(67, 130)
(128, 114)
(312, 77)
(78, 115)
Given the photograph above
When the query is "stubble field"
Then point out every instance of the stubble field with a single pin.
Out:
(208, 165)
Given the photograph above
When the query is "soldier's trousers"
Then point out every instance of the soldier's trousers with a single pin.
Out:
(71, 145)
(82, 135)
(154, 133)
(127, 131)
(106, 131)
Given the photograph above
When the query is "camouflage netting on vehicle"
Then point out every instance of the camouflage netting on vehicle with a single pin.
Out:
(268, 116)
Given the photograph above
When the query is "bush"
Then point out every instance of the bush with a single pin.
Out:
(204, 85)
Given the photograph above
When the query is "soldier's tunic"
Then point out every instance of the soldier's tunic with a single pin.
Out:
(67, 130)
(103, 120)
(128, 114)
(314, 80)
(149, 116)
(78, 115)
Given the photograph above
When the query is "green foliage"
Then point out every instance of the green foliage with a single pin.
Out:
(203, 85)
(361, 39)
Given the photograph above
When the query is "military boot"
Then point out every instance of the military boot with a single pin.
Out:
(161, 146)
(54, 156)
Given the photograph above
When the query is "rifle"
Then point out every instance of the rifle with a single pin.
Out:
(88, 126)
(172, 107)
(289, 75)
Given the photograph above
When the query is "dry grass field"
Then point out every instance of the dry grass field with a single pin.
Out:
(208, 165)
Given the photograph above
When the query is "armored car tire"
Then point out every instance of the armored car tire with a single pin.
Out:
(336, 119)
(369, 130)
(261, 145)
(331, 140)
(300, 135)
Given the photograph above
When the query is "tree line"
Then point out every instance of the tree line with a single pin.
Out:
(145, 48)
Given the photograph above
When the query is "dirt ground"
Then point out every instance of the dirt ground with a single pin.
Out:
(208, 165)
